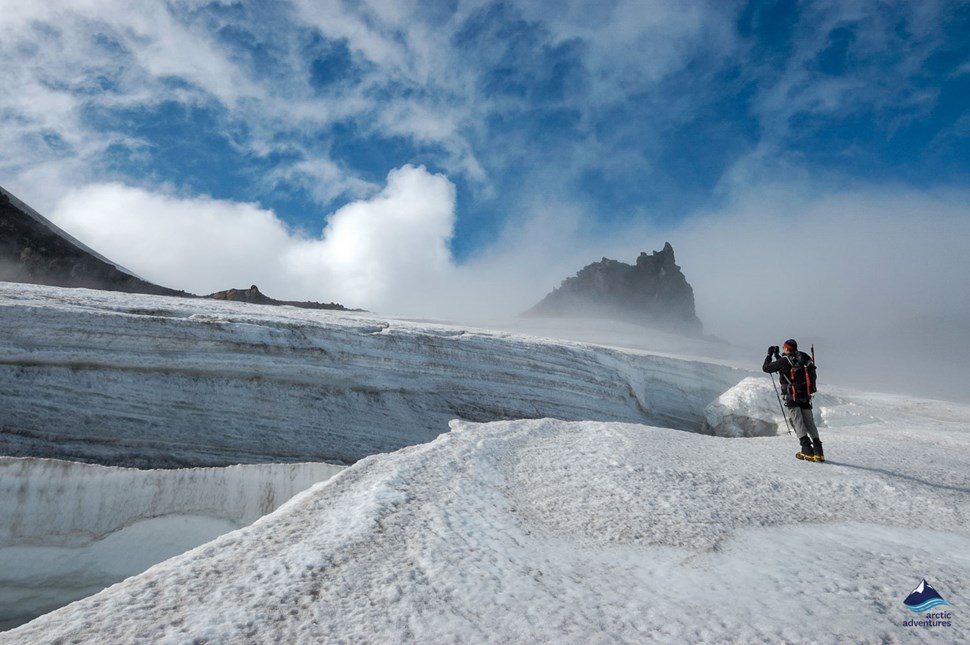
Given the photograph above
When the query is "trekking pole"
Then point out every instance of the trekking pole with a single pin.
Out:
(787, 424)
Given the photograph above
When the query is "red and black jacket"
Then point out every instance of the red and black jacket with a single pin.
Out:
(797, 374)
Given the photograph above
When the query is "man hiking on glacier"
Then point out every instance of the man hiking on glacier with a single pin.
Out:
(796, 371)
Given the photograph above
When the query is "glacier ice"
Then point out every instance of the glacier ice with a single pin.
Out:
(527, 531)
(151, 381)
(154, 381)
(71, 529)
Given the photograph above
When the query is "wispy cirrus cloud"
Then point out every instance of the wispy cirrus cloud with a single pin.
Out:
(604, 100)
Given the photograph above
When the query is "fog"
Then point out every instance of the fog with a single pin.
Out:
(865, 274)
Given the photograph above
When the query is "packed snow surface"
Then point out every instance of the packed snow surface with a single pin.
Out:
(583, 532)
(581, 513)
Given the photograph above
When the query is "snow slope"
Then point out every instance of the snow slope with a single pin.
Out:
(70, 529)
(598, 525)
(584, 532)
(153, 381)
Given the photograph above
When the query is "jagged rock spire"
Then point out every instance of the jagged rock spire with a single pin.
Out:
(653, 292)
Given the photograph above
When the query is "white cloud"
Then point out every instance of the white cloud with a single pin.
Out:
(323, 178)
(63, 45)
(634, 44)
(199, 245)
(389, 252)
(382, 253)
(870, 274)
(168, 48)
(839, 261)
(337, 22)
(63, 61)
(386, 252)
(887, 50)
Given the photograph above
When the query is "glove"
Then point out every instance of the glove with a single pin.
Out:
(773, 351)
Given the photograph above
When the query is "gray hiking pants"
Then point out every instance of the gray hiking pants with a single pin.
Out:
(803, 422)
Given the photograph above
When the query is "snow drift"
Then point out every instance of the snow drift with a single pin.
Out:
(551, 531)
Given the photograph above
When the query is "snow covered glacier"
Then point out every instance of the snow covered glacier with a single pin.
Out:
(147, 381)
(578, 532)
(579, 511)
(152, 381)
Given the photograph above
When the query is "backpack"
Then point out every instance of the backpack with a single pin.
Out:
(802, 377)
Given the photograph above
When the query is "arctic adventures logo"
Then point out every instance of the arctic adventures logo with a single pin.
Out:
(921, 600)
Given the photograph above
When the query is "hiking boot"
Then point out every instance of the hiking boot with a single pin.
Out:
(817, 449)
(807, 453)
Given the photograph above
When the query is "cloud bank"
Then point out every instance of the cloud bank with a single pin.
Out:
(772, 254)
(870, 275)
(376, 253)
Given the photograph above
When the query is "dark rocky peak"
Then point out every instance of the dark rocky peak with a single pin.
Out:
(652, 292)
(659, 260)
(254, 296)
(34, 250)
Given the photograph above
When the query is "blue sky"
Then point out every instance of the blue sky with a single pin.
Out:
(394, 143)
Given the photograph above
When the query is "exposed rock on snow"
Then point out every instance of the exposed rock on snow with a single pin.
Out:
(254, 296)
(70, 530)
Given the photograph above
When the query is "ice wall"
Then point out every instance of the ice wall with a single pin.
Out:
(71, 529)
(753, 408)
(155, 381)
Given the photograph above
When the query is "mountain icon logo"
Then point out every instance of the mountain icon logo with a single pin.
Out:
(924, 598)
